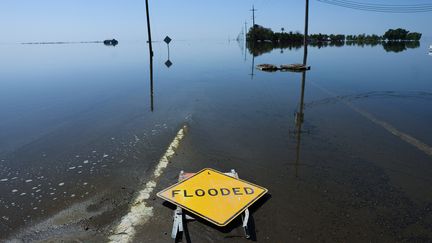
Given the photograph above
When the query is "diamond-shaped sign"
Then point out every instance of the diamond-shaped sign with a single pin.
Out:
(214, 196)
(167, 40)
(168, 63)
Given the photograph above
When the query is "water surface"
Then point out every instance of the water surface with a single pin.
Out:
(81, 120)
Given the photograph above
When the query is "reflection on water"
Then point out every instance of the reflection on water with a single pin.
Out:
(400, 46)
(168, 62)
(299, 115)
(151, 83)
(259, 48)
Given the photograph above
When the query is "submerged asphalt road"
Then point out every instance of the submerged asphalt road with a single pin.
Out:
(316, 198)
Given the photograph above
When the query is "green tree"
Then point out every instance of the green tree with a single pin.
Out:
(414, 36)
(259, 33)
(397, 34)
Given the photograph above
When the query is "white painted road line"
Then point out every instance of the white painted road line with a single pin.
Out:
(403, 136)
(140, 212)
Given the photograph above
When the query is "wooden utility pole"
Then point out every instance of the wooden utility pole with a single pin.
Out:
(253, 22)
(151, 55)
(148, 30)
(253, 15)
(305, 40)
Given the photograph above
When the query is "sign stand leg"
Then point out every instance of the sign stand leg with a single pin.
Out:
(178, 222)
(245, 223)
(245, 217)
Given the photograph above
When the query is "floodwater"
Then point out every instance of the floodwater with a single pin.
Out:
(345, 150)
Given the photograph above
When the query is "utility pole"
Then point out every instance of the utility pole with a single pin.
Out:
(253, 15)
(148, 30)
(151, 55)
(253, 21)
(305, 40)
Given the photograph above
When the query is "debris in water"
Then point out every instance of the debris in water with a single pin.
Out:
(267, 67)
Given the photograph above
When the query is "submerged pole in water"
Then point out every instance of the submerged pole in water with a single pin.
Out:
(151, 55)
(148, 30)
(305, 38)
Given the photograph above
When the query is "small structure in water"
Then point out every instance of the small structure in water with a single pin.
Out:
(284, 67)
(294, 67)
(267, 67)
(112, 42)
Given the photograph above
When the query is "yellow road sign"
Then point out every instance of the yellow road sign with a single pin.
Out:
(214, 196)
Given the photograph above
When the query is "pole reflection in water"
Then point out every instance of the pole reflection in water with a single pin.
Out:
(168, 63)
(253, 64)
(299, 119)
(299, 115)
(151, 83)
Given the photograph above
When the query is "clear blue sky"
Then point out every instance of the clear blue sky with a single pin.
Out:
(76, 20)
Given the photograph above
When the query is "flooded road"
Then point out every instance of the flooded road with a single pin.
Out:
(346, 155)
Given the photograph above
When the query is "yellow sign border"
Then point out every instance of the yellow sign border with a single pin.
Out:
(159, 194)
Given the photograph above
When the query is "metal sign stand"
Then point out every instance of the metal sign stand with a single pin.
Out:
(181, 218)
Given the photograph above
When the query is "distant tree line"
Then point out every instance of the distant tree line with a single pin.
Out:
(259, 33)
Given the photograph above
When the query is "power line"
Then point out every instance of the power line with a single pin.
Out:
(386, 8)
(385, 5)
(379, 8)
